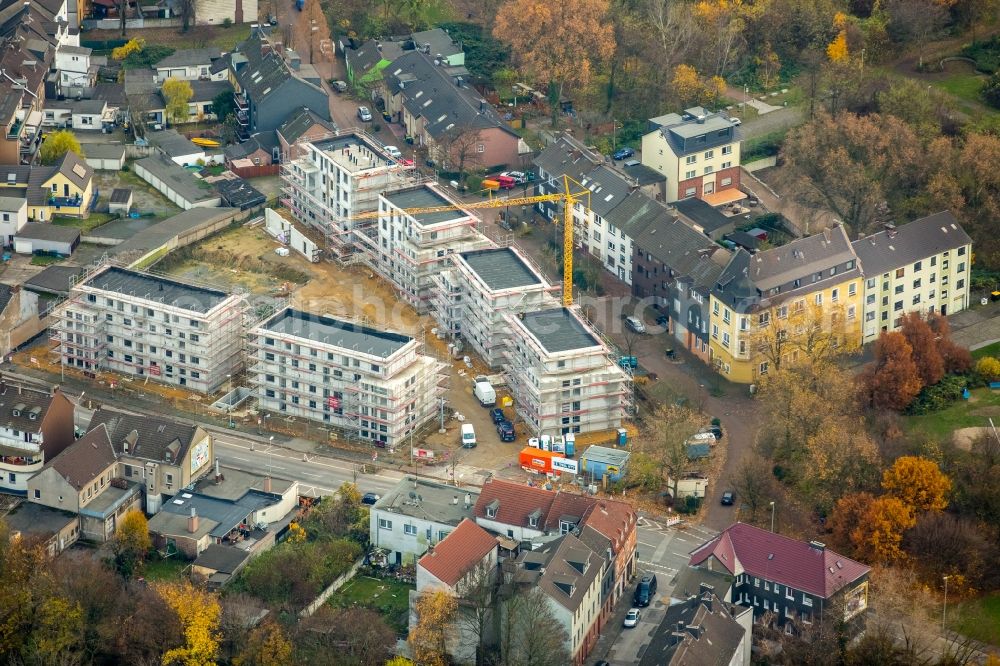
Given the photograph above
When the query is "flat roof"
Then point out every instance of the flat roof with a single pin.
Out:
(500, 268)
(330, 331)
(156, 288)
(605, 454)
(177, 178)
(354, 153)
(429, 500)
(31, 518)
(423, 197)
(558, 330)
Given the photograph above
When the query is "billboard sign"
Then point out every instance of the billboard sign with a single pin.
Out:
(565, 465)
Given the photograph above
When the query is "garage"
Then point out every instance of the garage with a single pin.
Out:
(38, 238)
(105, 156)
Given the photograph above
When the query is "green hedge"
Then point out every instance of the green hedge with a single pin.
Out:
(939, 396)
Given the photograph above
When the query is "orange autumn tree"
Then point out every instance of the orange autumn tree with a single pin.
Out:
(560, 43)
(917, 482)
(691, 88)
(877, 535)
(892, 380)
(198, 612)
(435, 613)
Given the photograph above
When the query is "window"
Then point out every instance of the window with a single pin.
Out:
(852, 289)
(871, 283)
(410, 530)
(725, 339)
(763, 370)
(834, 295)
(961, 251)
(709, 154)
(690, 174)
(789, 594)
(897, 306)
(384, 524)
(480, 147)
(819, 299)
(851, 311)
(691, 159)
(709, 169)
(726, 165)
(806, 601)
(916, 283)
(690, 192)
(764, 318)
(726, 182)
(917, 266)
(900, 272)
(756, 582)
(38, 494)
(727, 150)
(715, 331)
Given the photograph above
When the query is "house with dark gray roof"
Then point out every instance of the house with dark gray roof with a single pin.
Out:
(35, 427)
(189, 65)
(65, 188)
(701, 629)
(705, 218)
(39, 238)
(434, 102)
(268, 88)
(365, 63)
(177, 183)
(922, 266)
(301, 126)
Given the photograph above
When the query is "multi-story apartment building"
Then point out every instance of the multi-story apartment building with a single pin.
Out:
(618, 210)
(417, 514)
(794, 583)
(374, 385)
(563, 374)
(480, 288)
(146, 325)
(923, 266)
(411, 249)
(767, 307)
(336, 178)
(698, 152)
(36, 426)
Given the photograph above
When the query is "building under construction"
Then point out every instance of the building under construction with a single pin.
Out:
(474, 296)
(337, 177)
(563, 376)
(147, 325)
(411, 249)
(370, 384)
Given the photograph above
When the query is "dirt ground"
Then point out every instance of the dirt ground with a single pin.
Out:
(144, 198)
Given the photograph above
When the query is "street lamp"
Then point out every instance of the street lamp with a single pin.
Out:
(944, 611)
(772, 516)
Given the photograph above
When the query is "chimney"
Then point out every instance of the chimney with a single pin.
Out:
(267, 483)
(705, 587)
(694, 631)
(818, 545)
(193, 521)
(677, 636)
(890, 230)
(217, 475)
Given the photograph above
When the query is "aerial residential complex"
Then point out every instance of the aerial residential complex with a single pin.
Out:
(481, 288)
(146, 325)
(565, 377)
(373, 384)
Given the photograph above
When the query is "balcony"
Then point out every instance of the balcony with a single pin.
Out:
(242, 117)
(19, 461)
(66, 202)
(242, 103)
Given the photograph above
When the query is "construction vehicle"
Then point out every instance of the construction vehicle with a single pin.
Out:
(573, 193)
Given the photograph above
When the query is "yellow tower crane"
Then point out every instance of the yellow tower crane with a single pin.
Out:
(573, 193)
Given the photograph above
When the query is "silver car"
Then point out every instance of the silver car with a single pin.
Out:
(631, 618)
(364, 114)
(635, 324)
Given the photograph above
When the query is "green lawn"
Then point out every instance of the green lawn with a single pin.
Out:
(84, 224)
(389, 598)
(983, 404)
(965, 85)
(169, 569)
(45, 259)
(992, 349)
(979, 619)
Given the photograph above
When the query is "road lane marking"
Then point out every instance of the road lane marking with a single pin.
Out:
(238, 458)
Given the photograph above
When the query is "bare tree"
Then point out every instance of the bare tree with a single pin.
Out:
(477, 596)
(122, 11)
(666, 434)
(187, 10)
(753, 482)
(530, 634)
(459, 149)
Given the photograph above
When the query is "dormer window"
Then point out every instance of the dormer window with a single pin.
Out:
(533, 517)
(491, 509)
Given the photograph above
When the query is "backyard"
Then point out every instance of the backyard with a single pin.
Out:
(983, 403)
(84, 224)
(389, 598)
(979, 619)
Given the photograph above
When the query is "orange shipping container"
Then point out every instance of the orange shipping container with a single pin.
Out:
(537, 460)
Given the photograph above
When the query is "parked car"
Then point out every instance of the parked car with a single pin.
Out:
(736, 121)
(662, 320)
(468, 436)
(364, 114)
(622, 153)
(393, 152)
(728, 498)
(645, 591)
(506, 431)
(635, 324)
(497, 415)
(370, 498)
(632, 163)
(632, 618)
(339, 86)
(715, 430)
(519, 177)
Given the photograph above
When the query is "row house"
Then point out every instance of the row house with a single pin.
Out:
(35, 427)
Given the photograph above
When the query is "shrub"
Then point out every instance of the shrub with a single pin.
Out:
(227, 22)
(938, 396)
(988, 368)
(991, 91)
(689, 506)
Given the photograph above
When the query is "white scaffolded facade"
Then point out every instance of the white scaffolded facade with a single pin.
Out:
(412, 249)
(563, 376)
(368, 384)
(474, 296)
(337, 177)
(147, 325)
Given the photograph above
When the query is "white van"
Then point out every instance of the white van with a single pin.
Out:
(468, 436)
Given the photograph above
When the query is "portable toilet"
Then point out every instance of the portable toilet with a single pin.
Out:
(533, 442)
(545, 443)
(570, 444)
(622, 436)
(558, 444)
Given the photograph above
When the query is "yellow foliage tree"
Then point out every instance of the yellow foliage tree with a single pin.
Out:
(56, 144)
(266, 646)
(399, 661)
(691, 88)
(878, 536)
(988, 368)
(917, 482)
(177, 93)
(296, 533)
(435, 612)
(127, 49)
(836, 50)
(59, 627)
(198, 612)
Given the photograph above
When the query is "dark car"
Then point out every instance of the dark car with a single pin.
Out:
(370, 498)
(622, 153)
(645, 592)
(715, 430)
(728, 498)
(662, 320)
(506, 431)
(497, 415)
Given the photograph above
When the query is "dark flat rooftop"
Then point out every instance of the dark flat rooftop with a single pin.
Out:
(338, 333)
(558, 330)
(500, 268)
(423, 197)
(158, 289)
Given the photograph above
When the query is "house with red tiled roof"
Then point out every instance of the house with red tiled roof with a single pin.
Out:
(515, 510)
(463, 564)
(794, 582)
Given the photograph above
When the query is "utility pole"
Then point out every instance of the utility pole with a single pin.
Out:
(772, 516)
(944, 611)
